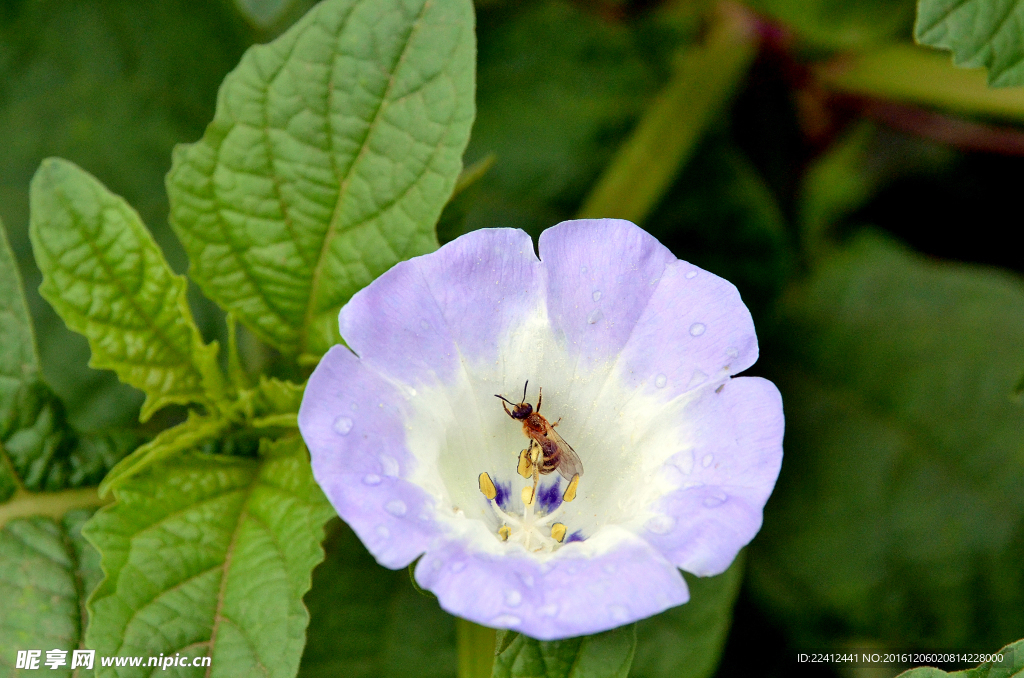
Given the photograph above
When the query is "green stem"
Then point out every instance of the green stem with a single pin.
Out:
(51, 504)
(703, 80)
(476, 649)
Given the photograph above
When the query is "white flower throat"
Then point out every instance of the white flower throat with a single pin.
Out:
(535, 531)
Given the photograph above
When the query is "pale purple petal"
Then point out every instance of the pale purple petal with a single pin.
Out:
(571, 595)
(735, 463)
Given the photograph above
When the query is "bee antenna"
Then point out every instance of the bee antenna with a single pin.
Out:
(504, 398)
(524, 390)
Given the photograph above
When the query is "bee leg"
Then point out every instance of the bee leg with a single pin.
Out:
(507, 411)
(557, 422)
(540, 398)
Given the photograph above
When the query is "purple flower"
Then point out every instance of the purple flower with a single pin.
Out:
(635, 352)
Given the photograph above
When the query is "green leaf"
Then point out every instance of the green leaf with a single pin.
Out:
(369, 622)
(900, 517)
(38, 450)
(332, 152)
(46, 573)
(605, 655)
(980, 33)
(216, 552)
(687, 641)
(188, 435)
(108, 280)
(1012, 666)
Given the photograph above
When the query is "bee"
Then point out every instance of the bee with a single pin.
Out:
(548, 450)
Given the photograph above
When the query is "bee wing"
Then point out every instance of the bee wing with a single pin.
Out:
(569, 463)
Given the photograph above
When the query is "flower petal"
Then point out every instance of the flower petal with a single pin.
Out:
(423, 316)
(352, 421)
(609, 580)
(733, 467)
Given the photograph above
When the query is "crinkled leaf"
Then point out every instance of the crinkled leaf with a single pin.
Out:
(216, 552)
(46, 573)
(1012, 666)
(900, 517)
(332, 152)
(38, 450)
(188, 435)
(108, 280)
(687, 641)
(368, 622)
(980, 33)
(605, 655)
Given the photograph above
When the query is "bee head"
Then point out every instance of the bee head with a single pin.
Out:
(522, 411)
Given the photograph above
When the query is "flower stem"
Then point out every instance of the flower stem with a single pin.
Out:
(52, 504)
(476, 649)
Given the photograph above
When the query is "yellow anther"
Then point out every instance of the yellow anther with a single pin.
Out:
(558, 532)
(525, 466)
(504, 532)
(527, 495)
(487, 487)
(570, 492)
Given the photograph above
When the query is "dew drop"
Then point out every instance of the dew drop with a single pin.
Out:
(503, 620)
(596, 295)
(696, 379)
(390, 466)
(583, 269)
(424, 324)
(706, 461)
(690, 275)
(716, 499)
(513, 598)
(660, 524)
(660, 381)
(371, 479)
(595, 316)
(618, 612)
(549, 610)
(732, 352)
(697, 329)
(342, 425)
(395, 507)
(527, 579)
(383, 532)
(458, 566)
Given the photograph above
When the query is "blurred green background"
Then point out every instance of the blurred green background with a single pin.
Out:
(860, 192)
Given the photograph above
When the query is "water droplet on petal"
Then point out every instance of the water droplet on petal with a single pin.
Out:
(596, 295)
(697, 329)
(513, 598)
(595, 316)
(583, 269)
(690, 275)
(527, 579)
(549, 610)
(383, 532)
(372, 479)
(732, 352)
(697, 378)
(706, 461)
(395, 507)
(660, 381)
(716, 499)
(424, 324)
(342, 425)
(503, 620)
(618, 612)
(458, 566)
(390, 466)
(660, 524)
